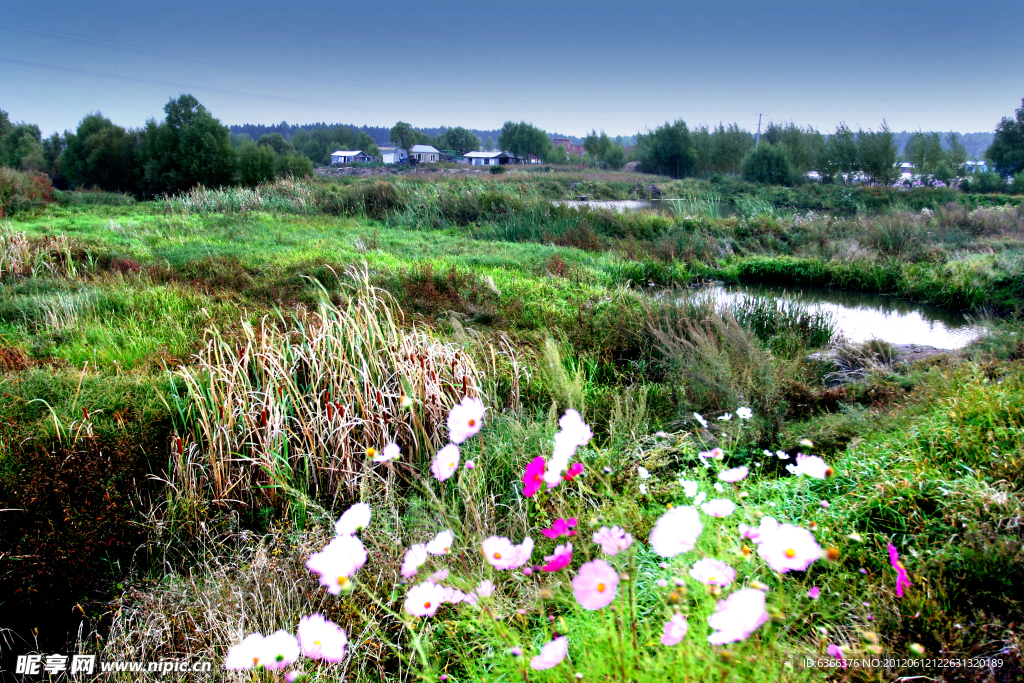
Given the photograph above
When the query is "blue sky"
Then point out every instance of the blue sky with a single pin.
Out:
(565, 65)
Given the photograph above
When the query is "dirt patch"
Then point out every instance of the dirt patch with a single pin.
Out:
(13, 360)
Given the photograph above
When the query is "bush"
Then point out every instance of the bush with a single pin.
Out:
(768, 165)
(495, 170)
(21, 191)
(984, 183)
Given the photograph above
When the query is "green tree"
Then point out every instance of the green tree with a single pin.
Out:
(524, 139)
(878, 154)
(460, 140)
(769, 165)
(489, 144)
(101, 154)
(190, 147)
(956, 155)
(704, 148)
(276, 142)
(22, 148)
(53, 148)
(559, 155)
(841, 149)
(667, 150)
(255, 164)
(5, 124)
(924, 151)
(729, 146)
(1007, 150)
(293, 164)
(403, 135)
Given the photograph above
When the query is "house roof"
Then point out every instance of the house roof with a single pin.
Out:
(350, 153)
(425, 149)
(486, 155)
(386, 150)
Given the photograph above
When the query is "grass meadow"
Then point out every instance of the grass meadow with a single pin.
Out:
(194, 390)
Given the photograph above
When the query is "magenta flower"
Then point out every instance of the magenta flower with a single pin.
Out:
(573, 472)
(551, 654)
(834, 650)
(560, 560)
(561, 527)
(533, 478)
(814, 593)
(902, 578)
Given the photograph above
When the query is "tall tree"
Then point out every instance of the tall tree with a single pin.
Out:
(1007, 150)
(878, 154)
(101, 154)
(667, 150)
(729, 146)
(403, 135)
(460, 140)
(524, 139)
(956, 155)
(5, 124)
(190, 147)
(924, 151)
(841, 149)
(768, 164)
(22, 147)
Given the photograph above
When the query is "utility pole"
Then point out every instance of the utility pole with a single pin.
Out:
(757, 140)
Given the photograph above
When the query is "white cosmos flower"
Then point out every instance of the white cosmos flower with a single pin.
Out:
(446, 462)
(338, 562)
(644, 474)
(501, 554)
(576, 430)
(690, 488)
(789, 548)
(782, 455)
(355, 518)
(414, 559)
(699, 498)
(280, 650)
(442, 543)
(758, 534)
(465, 419)
(719, 507)
(643, 489)
(700, 418)
(738, 616)
(735, 474)
(613, 540)
(484, 590)
(718, 486)
(811, 465)
(676, 531)
(247, 654)
(744, 413)
(321, 639)
(713, 572)
(726, 417)
(391, 451)
(424, 599)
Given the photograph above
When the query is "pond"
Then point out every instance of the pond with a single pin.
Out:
(860, 316)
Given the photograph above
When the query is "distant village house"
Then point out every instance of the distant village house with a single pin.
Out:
(357, 156)
(490, 158)
(425, 154)
(393, 155)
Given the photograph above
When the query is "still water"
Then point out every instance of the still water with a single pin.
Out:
(860, 316)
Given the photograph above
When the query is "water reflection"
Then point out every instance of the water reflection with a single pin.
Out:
(860, 316)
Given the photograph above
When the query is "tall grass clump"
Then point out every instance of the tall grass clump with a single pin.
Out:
(784, 323)
(297, 405)
(700, 205)
(22, 257)
(20, 191)
(285, 195)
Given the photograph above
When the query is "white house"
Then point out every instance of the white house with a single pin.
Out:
(424, 153)
(393, 155)
(489, 158)
(351, 157)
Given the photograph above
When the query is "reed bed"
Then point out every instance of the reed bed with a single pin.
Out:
(294, 407)
(286, 195)
(21, 257)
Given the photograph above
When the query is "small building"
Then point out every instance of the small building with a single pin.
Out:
(393, 155)
(561, 142)
(489, 158)
(453, 156)
(975, 166)
(357, 156)
(578, 150)
(424, 154)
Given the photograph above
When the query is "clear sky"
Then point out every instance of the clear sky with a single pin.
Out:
(565, 65)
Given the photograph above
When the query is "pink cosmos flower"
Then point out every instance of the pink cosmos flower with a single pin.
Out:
(595, 584)
(321, 639)
(810, 465)
(719, 507)
(446, 462)
(438, 576)
(575, 470)
(738, 616)
(424, 599)
(559, 560)
(835, 651)
(789, 548)
(902, 578)
(814, 593)
(280, 650)
(414, 559)
(676, 531)
(613, 540)
(501, 554)
(442, 543)
(338, 562)
(246, 655)
(452, 595)
(713, 572)
(768, 526)
(735, 474)
(465, 419)
(484, 590)
(533, 477)
(561, 527)
(551, 654)
(675, 630)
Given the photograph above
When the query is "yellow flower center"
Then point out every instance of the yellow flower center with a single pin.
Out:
(342, 580)
(497, 556)
(317, 643)
(472, 423)
(371, 452)
(600, 588)
(790, 553)
(711, 578)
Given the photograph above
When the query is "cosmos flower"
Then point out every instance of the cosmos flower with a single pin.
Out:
(759, 533)
(246, 655)
(719, 507)
(533, 477)
(439, 576)
(595, 584)
(465, 419)
(675, 630)
(280, 650)
(713, 572)
(391, 451)
(836, 652)
(726, 417)
(700, 418)
(690, 488)
(551, 654)
(321, 639)
(613, 540)
(338, 562)
(814, 593)
(811, 465)
(789, 548)
(354, 519)
(414, 559)
(744, 413)
(575, 470)
(643, 473)
(501, 554)
(561, 527)
(738, 616)
(676, 531)
(577, 431)
(441, 543)
(559, 560)
(445, 462)
(484, 590)
(902, 578)
(735, 474)
(424, 599)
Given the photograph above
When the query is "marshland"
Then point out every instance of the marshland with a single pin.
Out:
(196, 387)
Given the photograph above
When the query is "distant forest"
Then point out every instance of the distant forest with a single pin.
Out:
(974, 143)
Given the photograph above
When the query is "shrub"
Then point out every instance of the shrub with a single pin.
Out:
(768, 165)
(496, 170)
(20, 191)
